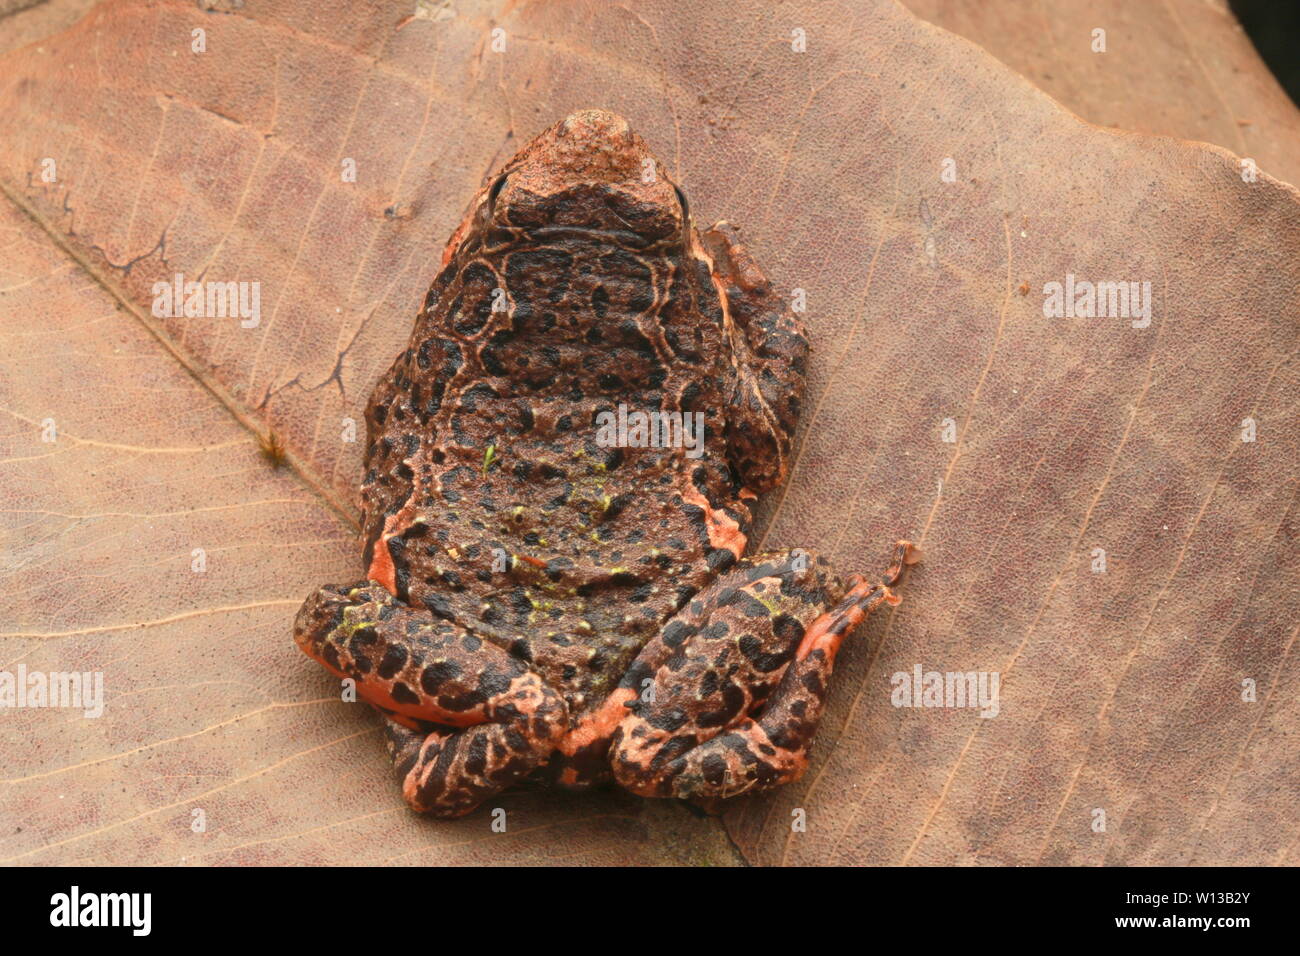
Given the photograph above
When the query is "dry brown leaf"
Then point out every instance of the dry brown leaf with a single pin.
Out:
(29, 21)
(1120, 691)
(1181, 68)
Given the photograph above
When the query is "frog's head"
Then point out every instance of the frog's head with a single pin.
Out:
(589, 173)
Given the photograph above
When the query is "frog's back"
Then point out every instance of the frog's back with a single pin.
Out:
(508, 454)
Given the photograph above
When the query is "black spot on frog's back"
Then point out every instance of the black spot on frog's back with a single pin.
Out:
(538, 275)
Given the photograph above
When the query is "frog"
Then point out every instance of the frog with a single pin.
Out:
(550, 600)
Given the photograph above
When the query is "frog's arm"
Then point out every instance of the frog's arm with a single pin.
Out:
(771, 352)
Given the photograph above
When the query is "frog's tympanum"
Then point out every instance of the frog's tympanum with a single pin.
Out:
(556, 581)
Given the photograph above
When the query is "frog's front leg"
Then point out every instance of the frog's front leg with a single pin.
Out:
(770, 350)
(728, 697)
(498, 719)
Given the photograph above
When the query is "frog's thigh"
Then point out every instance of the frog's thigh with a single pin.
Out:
(732, 705)
(501, 720)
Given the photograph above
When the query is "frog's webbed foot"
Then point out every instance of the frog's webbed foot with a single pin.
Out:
(497, 719)
(771, 351)
(729, 695)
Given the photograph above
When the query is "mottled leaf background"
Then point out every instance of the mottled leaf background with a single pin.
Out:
(1121, 691)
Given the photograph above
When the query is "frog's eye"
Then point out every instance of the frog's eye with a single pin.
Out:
(681, 201)
(495, 191)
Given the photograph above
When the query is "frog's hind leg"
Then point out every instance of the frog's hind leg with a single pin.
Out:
(497, 720)
(735, 684)
(828, 631)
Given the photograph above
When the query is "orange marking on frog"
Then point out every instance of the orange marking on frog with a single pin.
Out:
(381, 569)
(828, 631)
(407, 722)
(379, 693)
(724, 530)
(599, 724)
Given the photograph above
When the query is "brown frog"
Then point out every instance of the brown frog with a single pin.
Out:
(557, 495)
